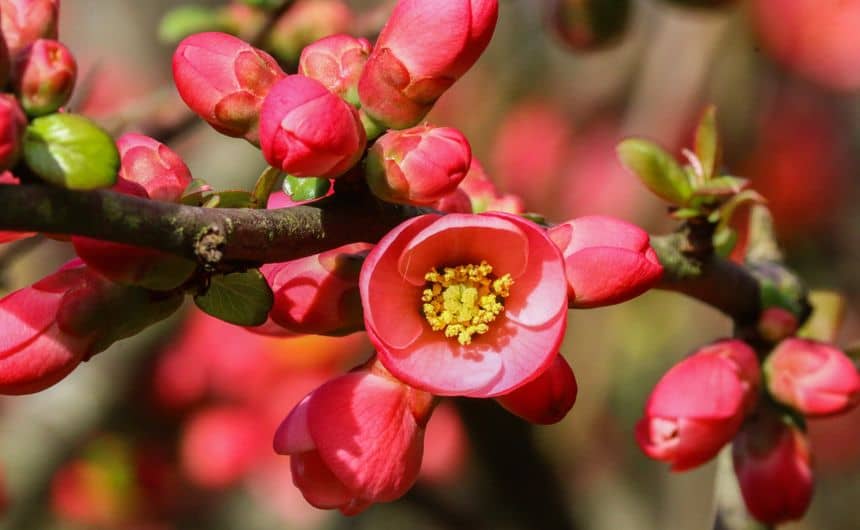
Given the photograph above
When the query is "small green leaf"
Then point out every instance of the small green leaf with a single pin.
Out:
(235, 199)
(828, 313)
(686, 213)
(708, 143)
(183, 21)
(195, 192)
(306, 189)
(69, 150)
(656, 169)
(721, 187)
(724, 241)
(266, 183)
(242, 298)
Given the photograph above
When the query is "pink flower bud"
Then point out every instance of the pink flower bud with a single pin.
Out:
(776, 323)
(307, 131)
(319, 294)
(547, 399)
(418, 165)
(25, 21)
(698, 405)
(772, 462)
(337, 63)
(423, 49)
(44, 77)
(47, 329)
(356, 440)
(222, 444)
(455, 202)
(484, 195)
(607, 260)
(812, 377)
(151, 170)
(224, 80)
(12, 125)
(307, 21)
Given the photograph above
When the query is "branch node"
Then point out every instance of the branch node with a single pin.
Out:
(209, 246)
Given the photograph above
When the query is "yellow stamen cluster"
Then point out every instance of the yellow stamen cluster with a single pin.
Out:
(462, 301)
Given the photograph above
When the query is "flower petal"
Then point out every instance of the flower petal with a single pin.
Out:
(293, 435)
(459, 239)
(386, 296)
(317, 483)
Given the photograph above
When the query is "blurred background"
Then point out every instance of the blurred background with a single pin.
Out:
(172, 429)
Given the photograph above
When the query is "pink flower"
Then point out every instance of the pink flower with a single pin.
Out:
(356, 440)
(220, 445)
(318, 294)
(12, 125)
(485, 196)
(465, 304)
(25, 21)
(47, 329)
(547, 399)
(772, 462)
(698, 405)
(224, 80)
(455, 202)
(45, 75)
(337, 63)
(607, 260)
(812, 377)
(419, 166)
(425, 46)
(151, 170)
(307, 131)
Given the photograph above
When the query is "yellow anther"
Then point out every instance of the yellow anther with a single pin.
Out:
(462, 301)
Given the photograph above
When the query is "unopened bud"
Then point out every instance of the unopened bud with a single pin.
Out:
(12, 125)
(307, 21)
(224, 80)
(337, 63)
(420, 165)
(45, 75)
(589, 24)
(776, 323)
(25, 21)
(547, 399)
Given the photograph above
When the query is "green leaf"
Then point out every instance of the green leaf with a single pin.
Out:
(183, 21)
(721, 187)
(708, 149)
(69, 150)
(266, 183)
(686, 213)
(656, 169)
(306, 188)
(724, 241)
(242, 298)
(194, 194)
(235, 199)
(828, 313)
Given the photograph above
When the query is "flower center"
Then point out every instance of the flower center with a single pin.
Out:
(462, 301)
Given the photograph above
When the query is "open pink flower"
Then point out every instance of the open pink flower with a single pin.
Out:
(465, 304)
(356, 440)
(698, 405)
(607, 260)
